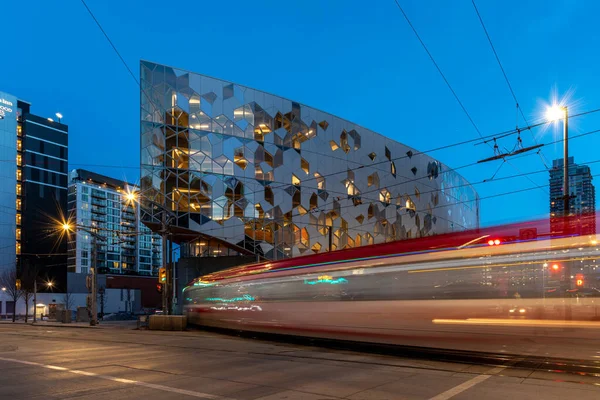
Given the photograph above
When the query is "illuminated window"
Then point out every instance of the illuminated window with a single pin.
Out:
(18, 233)
(304, 165)
(333, 145)
(19, 174)
(19, 130)
(295, 180)
(351, 189)
(316, 247)
(18, 219)
(314, 201)
(18, 248)
(18, 160)
(19, 144)
(18, 204)
(372, 156)
(344, 142)
(320, 181)
(373, 179)
(393, 168)
(18, 189)
(385, 196)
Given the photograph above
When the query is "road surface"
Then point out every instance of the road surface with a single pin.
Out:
(46, 362)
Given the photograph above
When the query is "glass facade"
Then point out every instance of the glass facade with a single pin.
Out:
(280, 178)
(9, 235)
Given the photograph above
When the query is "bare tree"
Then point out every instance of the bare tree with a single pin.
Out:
(69, 300)
(103, 299)
(8, 281)
(28, 278)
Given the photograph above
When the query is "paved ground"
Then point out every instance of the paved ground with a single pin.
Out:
(53, 362)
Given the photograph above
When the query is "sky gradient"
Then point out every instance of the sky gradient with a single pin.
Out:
(361, 63)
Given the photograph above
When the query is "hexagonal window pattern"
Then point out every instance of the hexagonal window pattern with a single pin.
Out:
(215, 151)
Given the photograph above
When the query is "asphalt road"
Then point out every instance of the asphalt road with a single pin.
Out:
(44, 362)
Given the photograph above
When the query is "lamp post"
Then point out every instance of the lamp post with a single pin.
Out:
(555, 113)
(48, 284)
(93, 270)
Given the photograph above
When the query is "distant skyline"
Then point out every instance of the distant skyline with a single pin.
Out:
(361, 63)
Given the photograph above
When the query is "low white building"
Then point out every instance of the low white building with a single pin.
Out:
(110, 302)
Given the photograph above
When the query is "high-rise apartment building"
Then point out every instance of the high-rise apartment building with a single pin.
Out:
(581, 190)
(128, 246)
(33, 194)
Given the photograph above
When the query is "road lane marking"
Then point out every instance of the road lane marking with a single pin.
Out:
(466, 385)
(190, 393)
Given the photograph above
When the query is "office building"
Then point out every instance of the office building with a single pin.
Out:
(33, 192)
(128, 246)
(277, 178)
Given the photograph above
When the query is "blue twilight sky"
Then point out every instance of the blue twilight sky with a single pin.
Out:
(358, 60)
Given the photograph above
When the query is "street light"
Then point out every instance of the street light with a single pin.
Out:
(59, 116)
(554, 113)
(93, 284)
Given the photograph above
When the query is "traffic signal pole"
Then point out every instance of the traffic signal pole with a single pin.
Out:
(164, 261)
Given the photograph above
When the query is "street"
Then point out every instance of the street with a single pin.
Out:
(49, 362)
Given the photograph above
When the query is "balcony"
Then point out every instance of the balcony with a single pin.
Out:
(128, 217)
(127, 246)
(99, 217)
(98, 194)
(97, 202)
(99, 210)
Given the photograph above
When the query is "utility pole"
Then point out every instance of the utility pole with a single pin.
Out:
(35, 300)
(163, 233)
(93, 305)
(566, 191)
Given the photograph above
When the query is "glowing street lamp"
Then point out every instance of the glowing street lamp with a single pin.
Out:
(59, 116)
(555, 113)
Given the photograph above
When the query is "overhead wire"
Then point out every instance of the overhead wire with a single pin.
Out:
(518, 105)
(446, 80)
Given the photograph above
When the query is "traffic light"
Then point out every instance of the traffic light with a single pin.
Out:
(159, 287)
(162, 275)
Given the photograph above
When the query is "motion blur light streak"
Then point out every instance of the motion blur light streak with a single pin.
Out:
(520, 322)
(245, 297)
(326, 279)
(497, 294)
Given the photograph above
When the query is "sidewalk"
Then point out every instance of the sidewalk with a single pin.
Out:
(54, 324)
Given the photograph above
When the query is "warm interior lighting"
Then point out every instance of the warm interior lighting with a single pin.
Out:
(66, 227)
(555, 267)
